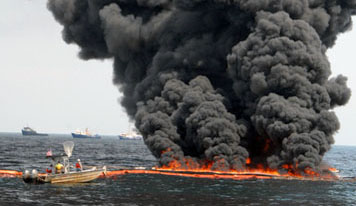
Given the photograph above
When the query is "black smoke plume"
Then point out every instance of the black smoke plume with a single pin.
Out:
(220, 81)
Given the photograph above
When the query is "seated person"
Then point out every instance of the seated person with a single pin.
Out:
(49, 169)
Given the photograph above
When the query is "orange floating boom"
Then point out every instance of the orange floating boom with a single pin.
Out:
(194, 175)
(10, 173)
(218, 175)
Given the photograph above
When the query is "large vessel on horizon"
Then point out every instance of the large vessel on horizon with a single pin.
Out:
(85, 135)
(28, 131)
(131, 135)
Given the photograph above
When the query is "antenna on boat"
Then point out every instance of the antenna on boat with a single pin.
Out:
(68, 148)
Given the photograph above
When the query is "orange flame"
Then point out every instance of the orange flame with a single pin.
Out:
(167, 150)
(258, 170)
(267, 145)
(333, 170)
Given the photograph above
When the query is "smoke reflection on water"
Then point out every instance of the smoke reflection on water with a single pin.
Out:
(17, 153)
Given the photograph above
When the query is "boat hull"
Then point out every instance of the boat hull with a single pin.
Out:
(31, 133)
(129, 138)
(73, 177)
(83, 136)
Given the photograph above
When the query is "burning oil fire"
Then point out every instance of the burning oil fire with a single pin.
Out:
(220, 81)
(255, 170)
(258, 172)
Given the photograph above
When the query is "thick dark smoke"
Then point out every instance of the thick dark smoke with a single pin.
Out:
(220, 81)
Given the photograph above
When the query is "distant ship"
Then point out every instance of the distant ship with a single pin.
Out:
(131, 135)
(85, 134)
(28, 131)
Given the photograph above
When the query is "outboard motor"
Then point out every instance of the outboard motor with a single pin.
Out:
(32, 178)
(34, 174)
(27, 176)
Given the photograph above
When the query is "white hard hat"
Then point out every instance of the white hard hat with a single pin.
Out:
(78, 160)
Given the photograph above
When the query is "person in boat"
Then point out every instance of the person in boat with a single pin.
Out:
(49, 169)
(78, 166)
(59, 168)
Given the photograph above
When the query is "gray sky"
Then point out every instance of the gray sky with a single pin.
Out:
(45, 85)
(42, 81)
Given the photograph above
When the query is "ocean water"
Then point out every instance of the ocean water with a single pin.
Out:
(20, 153)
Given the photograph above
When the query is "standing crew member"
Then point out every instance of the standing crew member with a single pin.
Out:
(59, 168)
(78, 166)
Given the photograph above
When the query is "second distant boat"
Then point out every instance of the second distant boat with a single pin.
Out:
(28, 131)
(85, 135)
(131, 135)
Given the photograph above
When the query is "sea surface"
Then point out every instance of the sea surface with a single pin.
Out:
(20, 153)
